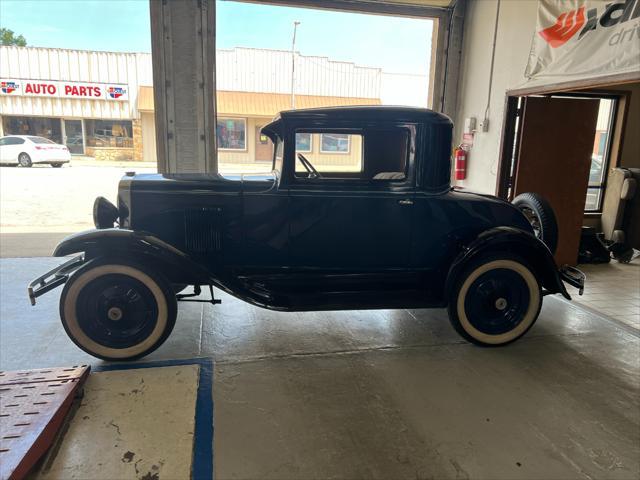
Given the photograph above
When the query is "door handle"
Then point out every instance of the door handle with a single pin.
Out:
(406, 201)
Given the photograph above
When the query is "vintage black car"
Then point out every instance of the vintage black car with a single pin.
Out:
(386, 232)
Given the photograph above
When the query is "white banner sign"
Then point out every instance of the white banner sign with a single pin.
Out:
(583, 39)
(56, 89)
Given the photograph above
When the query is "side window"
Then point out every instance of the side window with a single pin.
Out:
(333, 154)
(278, 155)
(387, 152)
(3, 141)
(12, 141)
(377, 155)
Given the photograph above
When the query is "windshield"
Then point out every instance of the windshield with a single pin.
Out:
(40, 140)
(278, 155)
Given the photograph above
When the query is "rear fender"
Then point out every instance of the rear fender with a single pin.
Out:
(511, 241)
(141, 247)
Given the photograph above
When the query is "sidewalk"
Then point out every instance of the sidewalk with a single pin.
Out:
(84, 161)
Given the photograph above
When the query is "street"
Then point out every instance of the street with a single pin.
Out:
(41, 205)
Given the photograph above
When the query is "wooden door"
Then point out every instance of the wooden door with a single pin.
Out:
(264, 147)
(554, 159)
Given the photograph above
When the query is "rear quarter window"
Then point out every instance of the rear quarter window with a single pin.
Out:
(40, 140)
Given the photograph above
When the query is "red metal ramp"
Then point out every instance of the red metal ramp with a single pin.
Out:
(33, 405)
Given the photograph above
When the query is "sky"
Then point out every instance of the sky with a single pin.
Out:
(123, 25)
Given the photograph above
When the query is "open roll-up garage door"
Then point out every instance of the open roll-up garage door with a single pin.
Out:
(183, 40)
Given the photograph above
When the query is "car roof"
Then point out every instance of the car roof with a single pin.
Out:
(356, 114)
(26, 137)
(379, 112)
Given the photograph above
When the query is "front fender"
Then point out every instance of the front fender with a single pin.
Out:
(138, 246)
(517, 242)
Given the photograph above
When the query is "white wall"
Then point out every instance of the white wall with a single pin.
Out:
(259, 70)
(515, 32)
(148, 123)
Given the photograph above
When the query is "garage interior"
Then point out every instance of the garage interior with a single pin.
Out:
(242, 392)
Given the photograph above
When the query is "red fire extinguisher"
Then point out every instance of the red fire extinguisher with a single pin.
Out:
(460, 162)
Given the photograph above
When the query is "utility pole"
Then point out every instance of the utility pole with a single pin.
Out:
(293, 65)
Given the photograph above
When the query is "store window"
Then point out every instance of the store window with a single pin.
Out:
(38, 126)
(335, 143)
(232, 133)
(339, 153)
(304, 142)
(109, 133)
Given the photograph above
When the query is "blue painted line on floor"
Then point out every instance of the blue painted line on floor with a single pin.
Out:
(202, 465)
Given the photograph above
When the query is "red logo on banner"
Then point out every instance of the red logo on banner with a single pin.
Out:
(116, 92)
(9, 87)
(565, 27)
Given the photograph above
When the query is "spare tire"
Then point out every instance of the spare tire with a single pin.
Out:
(540, 215)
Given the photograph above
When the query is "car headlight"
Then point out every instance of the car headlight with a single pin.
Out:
(105, 213)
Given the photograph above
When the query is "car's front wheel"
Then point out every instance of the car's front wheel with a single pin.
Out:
(24, 160)
(117, 310)
(495, 300)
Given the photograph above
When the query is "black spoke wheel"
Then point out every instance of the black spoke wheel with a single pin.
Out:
(540, 216)
(496, 300)
(116, 310)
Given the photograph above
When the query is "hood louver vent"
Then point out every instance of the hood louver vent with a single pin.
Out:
(203, 230)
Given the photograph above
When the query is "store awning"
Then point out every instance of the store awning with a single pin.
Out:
(254, 104)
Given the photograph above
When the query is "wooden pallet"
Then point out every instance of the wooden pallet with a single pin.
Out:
(33, 406)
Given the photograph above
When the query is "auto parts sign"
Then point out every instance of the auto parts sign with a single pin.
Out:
(580, 39)
(57, 89)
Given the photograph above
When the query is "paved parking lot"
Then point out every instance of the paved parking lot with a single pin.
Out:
(41, 205)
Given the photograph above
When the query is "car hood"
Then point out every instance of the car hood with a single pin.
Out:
(223, 183)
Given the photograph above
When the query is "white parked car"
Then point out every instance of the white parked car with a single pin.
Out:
(25, 150)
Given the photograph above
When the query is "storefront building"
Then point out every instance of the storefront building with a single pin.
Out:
(241, 115)
(100, 104)
(85, 100)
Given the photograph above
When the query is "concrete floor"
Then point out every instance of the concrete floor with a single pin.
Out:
(384, 394)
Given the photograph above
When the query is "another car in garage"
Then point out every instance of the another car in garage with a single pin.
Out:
(27, 150)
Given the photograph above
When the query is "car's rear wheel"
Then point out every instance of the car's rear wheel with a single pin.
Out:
(495, 301)
(56, 165)
(24, 160)
(540, 215)
(117, 310)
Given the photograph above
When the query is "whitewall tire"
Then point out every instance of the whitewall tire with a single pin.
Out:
(117, 310)
(496, 300)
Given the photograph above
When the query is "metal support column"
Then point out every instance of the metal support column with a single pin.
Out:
(449, 58)
(183, 53)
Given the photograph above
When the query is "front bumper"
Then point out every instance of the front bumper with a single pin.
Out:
(573, 277)
(54, 278)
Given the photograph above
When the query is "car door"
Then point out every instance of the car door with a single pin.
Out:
(12, 147)
(343, 221)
